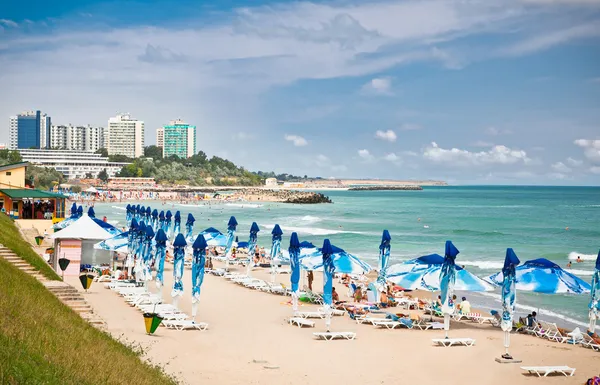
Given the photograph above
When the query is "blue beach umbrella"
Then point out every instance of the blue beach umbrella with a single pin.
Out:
(79, 211)
(161, 247)
(276, 234)
(384, 258)
(198, 261)
(73, 210)
(161, 221)
(142, 212)
(139, 251)
(148, 253)
(231, 226)
(594, 305)
(167, 225)
(131, 245)
(214, 237)
(149, 216)
(155, 220)
(294, 252)
(178, 259)
(328, 270)
(137, 212)
(544, 276)
(447, 281)
(189, 226)
(128, 215)
(91, 213)
(118, 243)
(509, 297)
(177, 223)
(344, 262)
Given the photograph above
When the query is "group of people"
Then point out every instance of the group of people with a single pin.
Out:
(37, 209)
(578, 260)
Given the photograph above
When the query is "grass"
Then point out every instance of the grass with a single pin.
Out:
(42, 341)
(11, 238)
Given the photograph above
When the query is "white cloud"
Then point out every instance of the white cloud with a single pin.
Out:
(242, 136)
(379, 86)
(549, 39)
(388, 135)
(591, 149)
(562, 168)
(8, 23)
(493, 131)
(563, 2)
(574, 162)
(595, 170)
(297, 140)
(410, 127)
(497, 155)
(365, 154)
(322, 158)
(392, 157)
(410, 153)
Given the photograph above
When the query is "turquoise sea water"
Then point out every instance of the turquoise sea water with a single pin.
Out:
(481, 221)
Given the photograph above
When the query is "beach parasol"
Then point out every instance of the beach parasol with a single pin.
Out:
(147, 256)
(384, 259)
(131, 244)
(73, 210)
(178, 260)
(447, 280)
(294, 251)
(231, 226)
(328, 270)
(74, 216)
(177, 223)
(254, 229)
(161, 221)
(198, 261)
(139, 252)
(91, 213)
(276, 234)
(544, 276)
(594, 305)
(149, 216)
(159, 253)
(189, 226)
(128, 214)
(79, 211)
(344, 262)
(214, 237)
(167, 225)
(155, 220)
(509, 297)
(118, 243)
(137, 212)
(142, 213)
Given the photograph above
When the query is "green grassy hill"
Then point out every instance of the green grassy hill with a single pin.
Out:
(42, 341)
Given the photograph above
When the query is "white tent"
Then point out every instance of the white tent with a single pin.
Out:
(91, 189)
(84, 228)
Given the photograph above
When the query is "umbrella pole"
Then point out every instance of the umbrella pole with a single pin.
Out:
(295, 302)
(507, 345)
(592, 325)
(194, 309)
(327, 309)
(446, 323)
(176, 301)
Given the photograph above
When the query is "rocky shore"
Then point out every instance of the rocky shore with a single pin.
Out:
(283, 196)
(386, 188)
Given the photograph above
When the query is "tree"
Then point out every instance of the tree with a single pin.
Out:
(43, 177)
(9, 157)
(89, 176)
(153, 152)
(102, 151)
(119, 158)
(103, 176)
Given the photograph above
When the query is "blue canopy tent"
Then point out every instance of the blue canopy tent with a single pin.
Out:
(294, 252)
(178, 260)
(159, 253)
(231, 226)
(189, 227)
(177, 223)
(198, 262)
(214, 237)
(594, 305)
(276, 234)
(328, 270)
(384, 259)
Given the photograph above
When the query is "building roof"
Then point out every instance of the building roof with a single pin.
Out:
(11, 166)
(20, 193)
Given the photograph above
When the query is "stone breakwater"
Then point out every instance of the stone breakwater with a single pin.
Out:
(386, 188)
(283, 196)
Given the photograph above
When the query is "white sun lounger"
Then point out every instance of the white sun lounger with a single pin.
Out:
(185, 325)
(336, 312)
(588, 342)
(167, 316)
(311, 314)
(429, 325)
(328, 336)
(544, 371)
(300, 322)
(368, 320)
(387, 324)
(453, 341)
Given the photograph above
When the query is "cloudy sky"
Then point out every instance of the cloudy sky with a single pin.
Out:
(468, 91)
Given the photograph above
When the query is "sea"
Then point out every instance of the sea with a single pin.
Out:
(557, 223)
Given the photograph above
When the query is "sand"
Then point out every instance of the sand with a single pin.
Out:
(250, 342)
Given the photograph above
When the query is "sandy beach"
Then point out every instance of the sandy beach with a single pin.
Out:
(250, 342)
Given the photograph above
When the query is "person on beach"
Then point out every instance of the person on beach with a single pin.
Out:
(310, 278)
(358, 295)
(531, 319)
(465, 306)
(256, 254)
(335, 298)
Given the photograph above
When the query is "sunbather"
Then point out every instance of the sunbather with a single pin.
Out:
(358, 295)
(465, 306)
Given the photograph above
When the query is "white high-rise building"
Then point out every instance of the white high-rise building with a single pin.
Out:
(124, 136)
(13, 135)
(45, 126)
(160, 137)
(77, 138)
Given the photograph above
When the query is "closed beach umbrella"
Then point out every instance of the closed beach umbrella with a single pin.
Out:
(139, 252)
(131, 243)
(155, 220)
(161, 221)
(189, 226)
(384, 258)
(79, 211)
(214, 237)
(137, 212)
(594, 305)
(254, 229)
(143, 213)
(509, 297)
(231, 226)
(167, 225)
(198, 261)
(447, 280)
(276, 234)
(73, 210)
(149, 216)
(91, 212)
(328, 271)
(178, 259)
(148, 254)
(177, 223)
(161, 248)
(544, 276)
(294, 251)
(128, 215)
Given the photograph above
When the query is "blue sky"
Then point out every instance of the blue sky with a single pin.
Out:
(474, 92)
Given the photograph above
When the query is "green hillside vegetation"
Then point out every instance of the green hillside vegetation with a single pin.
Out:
(42, 341)
(42, 178)
(11, 238)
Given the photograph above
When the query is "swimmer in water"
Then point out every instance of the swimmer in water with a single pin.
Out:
(569, 265)
(579, 259)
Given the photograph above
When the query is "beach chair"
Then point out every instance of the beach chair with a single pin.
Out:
(588, 342)
(185, 325)
(554, 334)
(365, 319)
(311, 314)
(544, 371)
(447, 342)
(314, 297)
(276, 288)
(300, 322)
(385, 323)
(328, 336)
(334, 312)
(425, 325)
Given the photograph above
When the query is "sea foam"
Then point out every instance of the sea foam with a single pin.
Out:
(584, 257)
(244, 205)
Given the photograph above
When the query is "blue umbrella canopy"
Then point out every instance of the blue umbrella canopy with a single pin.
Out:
(190, 219)
(343, 261)
(200, 243)
(117, 243)
(160, 236)
(160, 249)
(254, 228)
(242, 245)
(277, 232)
(74, 209)
(168, 215)
(594, 304)
(80, 211)
(142, 210)
(198, 261)
(149, 232)
(328, 270)
(384, 256)
(423, 273)
(134, 224)
(178, 259)
(509, 295)
(148, 211)
(214, 237)
(180, 241)
(232, 224)
(177, 216)
(294, 252)
(155, 213)
(544, 276)
(161, 216)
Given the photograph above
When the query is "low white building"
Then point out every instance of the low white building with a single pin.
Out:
(271, 182)
(72, 164)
